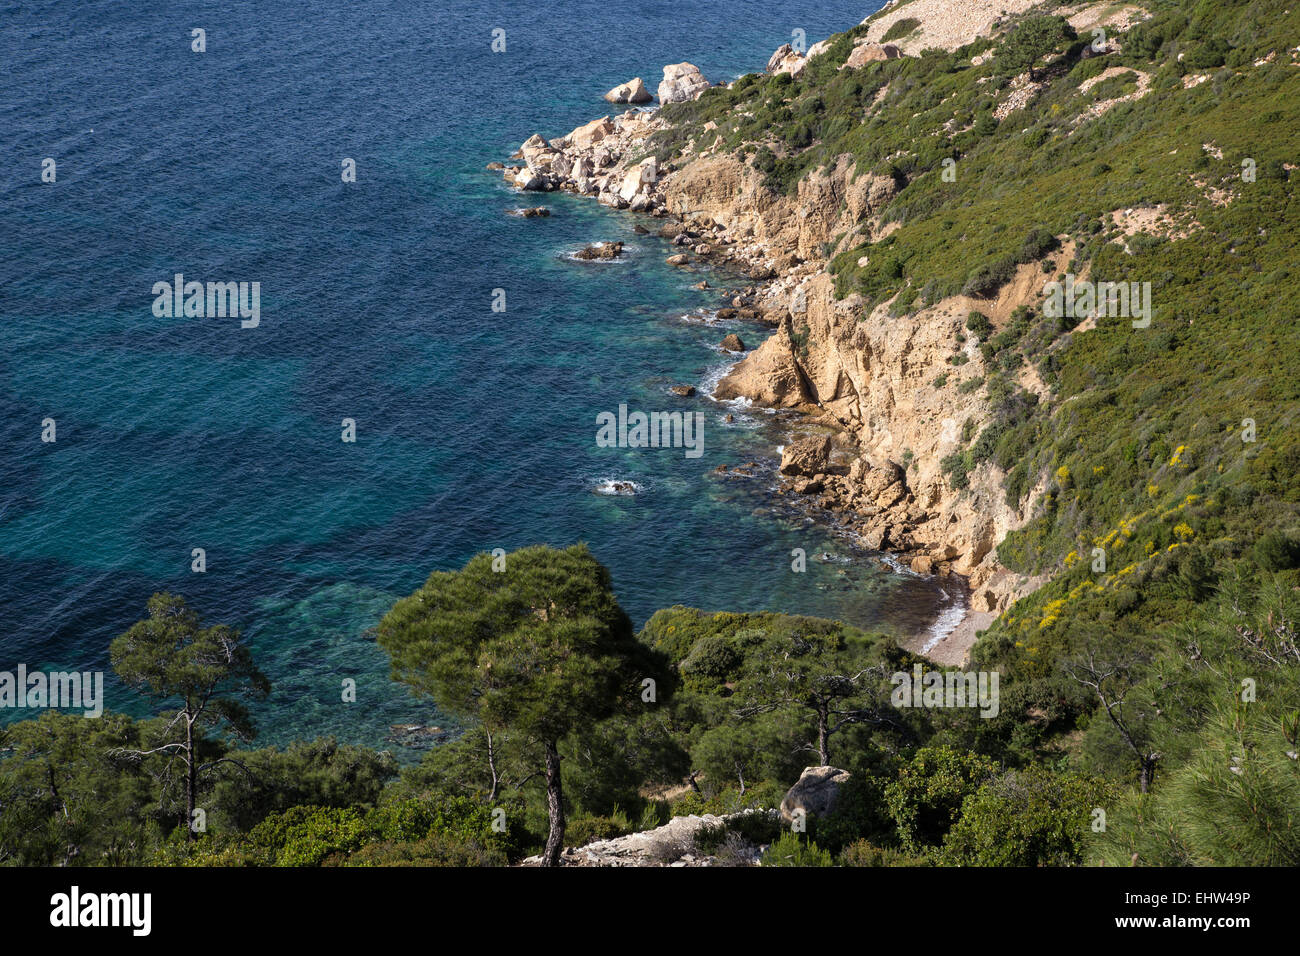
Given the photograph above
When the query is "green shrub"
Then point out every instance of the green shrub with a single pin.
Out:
(1278, 550)
(791, 849)
(926, 799)
(1030, 817)
(434, 850)
(305, 836)
(900, 28)
(865, 853)
(588, 829)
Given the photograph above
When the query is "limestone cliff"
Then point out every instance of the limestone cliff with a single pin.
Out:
(890, 387)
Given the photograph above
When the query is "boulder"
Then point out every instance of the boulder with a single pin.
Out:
(865, 53)
(589, 134)
(537, 152)
(526, 178)
(639, 179)
(685, 391)
(732, 343)
(809, 486)
(815, 792)
(875, 535)
(633, 91)
(884, 484)
(807, 457)
(682, 83)
(678, 260)
(560, 166)
(534, 212)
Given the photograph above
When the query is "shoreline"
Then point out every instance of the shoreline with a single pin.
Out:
(593, 161)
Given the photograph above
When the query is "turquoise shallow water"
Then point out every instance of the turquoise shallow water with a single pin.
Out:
(475, 429)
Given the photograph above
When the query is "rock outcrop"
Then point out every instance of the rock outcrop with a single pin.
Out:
(682, 83)
(786, 60)
(874, 379)
(769, 376)
(672, 844)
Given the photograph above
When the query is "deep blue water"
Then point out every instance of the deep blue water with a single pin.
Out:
(475, 429)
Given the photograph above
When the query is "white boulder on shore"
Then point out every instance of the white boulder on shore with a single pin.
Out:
(638, 180)
(682, 83)
(633, 91)
(589, 134)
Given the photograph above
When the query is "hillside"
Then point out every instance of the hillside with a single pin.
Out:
(1109, 476)
(1027, 274)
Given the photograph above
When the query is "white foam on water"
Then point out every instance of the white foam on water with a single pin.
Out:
(713, 376)
(951, 615)
(609, 486)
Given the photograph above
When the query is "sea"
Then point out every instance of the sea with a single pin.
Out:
(334, 154)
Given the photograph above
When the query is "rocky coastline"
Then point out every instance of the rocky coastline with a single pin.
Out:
(873, 425)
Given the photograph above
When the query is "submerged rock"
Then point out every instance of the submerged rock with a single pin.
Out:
(601, 250)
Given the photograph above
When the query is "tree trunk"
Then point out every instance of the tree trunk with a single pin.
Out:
(554, 807)
(190, 780)
(1147, 775)
(492, 766)
(823, 740)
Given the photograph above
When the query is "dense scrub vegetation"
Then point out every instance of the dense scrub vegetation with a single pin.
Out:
(1150, 691)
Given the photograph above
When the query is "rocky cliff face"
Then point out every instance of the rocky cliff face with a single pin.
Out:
(884, 385)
